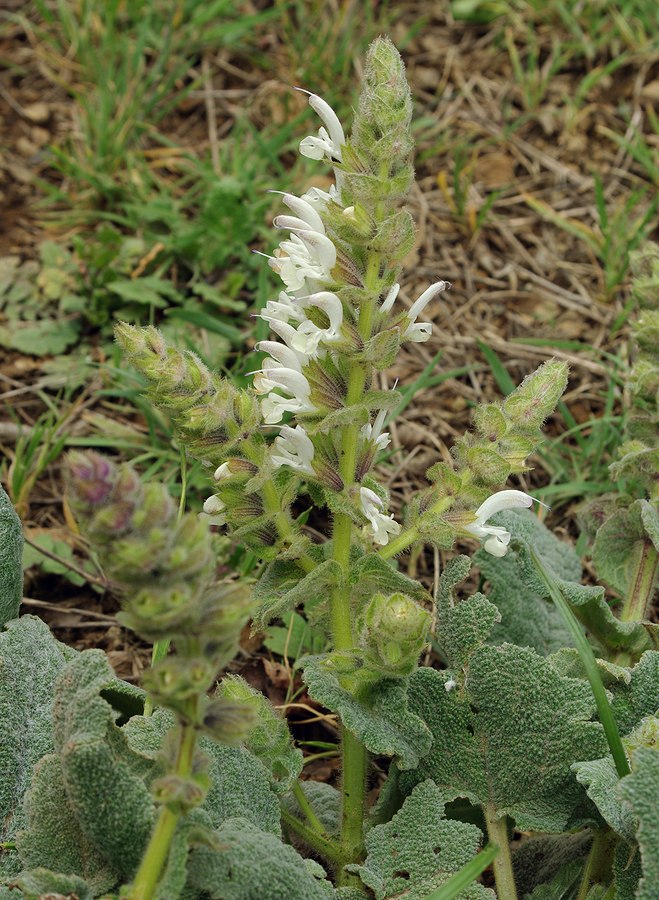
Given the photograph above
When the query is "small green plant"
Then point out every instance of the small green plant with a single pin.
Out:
(543, 716)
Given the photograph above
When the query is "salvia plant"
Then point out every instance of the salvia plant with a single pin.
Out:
(527, 765)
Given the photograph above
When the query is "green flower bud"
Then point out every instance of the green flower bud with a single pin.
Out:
(178, 794)
(228, 722)
(175, 680)
(536, 397)
(394, 631)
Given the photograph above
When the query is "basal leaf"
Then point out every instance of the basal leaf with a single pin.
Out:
(30, 661)
(371, 574)
(253, 864)
(11, 569)
(325, 801)
(419, 849)
(640, 697)
(527, 619)
(284, 586)
(382, 720)
(601, 781)
(38, 884)
(509, 738)
(542, 858)
(640, 790)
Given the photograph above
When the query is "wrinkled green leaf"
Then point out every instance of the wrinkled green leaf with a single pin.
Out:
(371, 574)
(11, 570)
(269, 739)
(627, 870)
(640, 790)
(462, 626)
(325, 801)
(239, 783)
(381, 720)
(419, 849)
(640, 697)
(527, 619)
(251, 862)
(30, 661)
(509, 739)
(41, 337)
(38, 884)
(283, 587)
(601, 781)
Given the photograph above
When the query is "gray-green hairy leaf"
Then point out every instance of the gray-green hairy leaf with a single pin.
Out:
(283, 587)
(382, 720)
(640, 790)
(11, 567)
(419, 849)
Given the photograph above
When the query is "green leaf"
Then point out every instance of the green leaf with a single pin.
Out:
(640, 697)
(32, 557)
(97, 770)
(250, 862)
(419, 849)
(325, 801)
(30, 661)
(601, 780)
(562, 885)
(295, 639)
(640, 790)
(284, 586)
(627, 870)
(11, 570)
(41, 337)
(509, 738)
(149, 290)
(527, 619)
(269, 739)
(240, 785)
(40, 883)
(464, 626)
(381, 720)
(371, 574)
(620, 541)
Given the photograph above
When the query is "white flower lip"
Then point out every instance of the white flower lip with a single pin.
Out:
(420, 332)
(381, 526)
(213, 510)
(330, 139)
(374, 433)
(295, 449)
(496, 538)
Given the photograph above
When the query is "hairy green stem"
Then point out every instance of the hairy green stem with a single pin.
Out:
(307, 808)
(406, 538)
(590, 665)
(326, 847)
(466, 875)
(598, 864)
(497, 831)
(157, 851)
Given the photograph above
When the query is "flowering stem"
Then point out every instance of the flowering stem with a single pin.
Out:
(497, 831)
(406, 538)
(598, 864)
(589, 663)
(318, 842)
(307, 808)
(641, 592)
(154, 859)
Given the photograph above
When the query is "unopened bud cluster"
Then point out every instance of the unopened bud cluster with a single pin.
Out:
(164, 568)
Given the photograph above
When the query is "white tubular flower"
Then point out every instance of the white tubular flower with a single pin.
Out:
(381, 526)
(307, 255)
(374, 432)
(319, 199)
(282, 309)
(330, 139)
(420, 332)
(308, 336)
(213, 511)
(294, 448)
(274, 406)
(222, 471)
(277, 376)
(496, 538)
(389, 300)
(304, 210)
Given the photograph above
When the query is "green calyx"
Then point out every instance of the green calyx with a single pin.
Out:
(394, 630)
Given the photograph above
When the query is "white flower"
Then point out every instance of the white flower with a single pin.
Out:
(282, 309)
(374, 432)
(213, 511)
(382, 526)
(303, 208)
(274, 406)
(388, 301)
(308, 336)
(307, 255)
(320, 199)
(420, 332)
(330, 139)
(497, 538)
(222, 471)
(294, 448)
